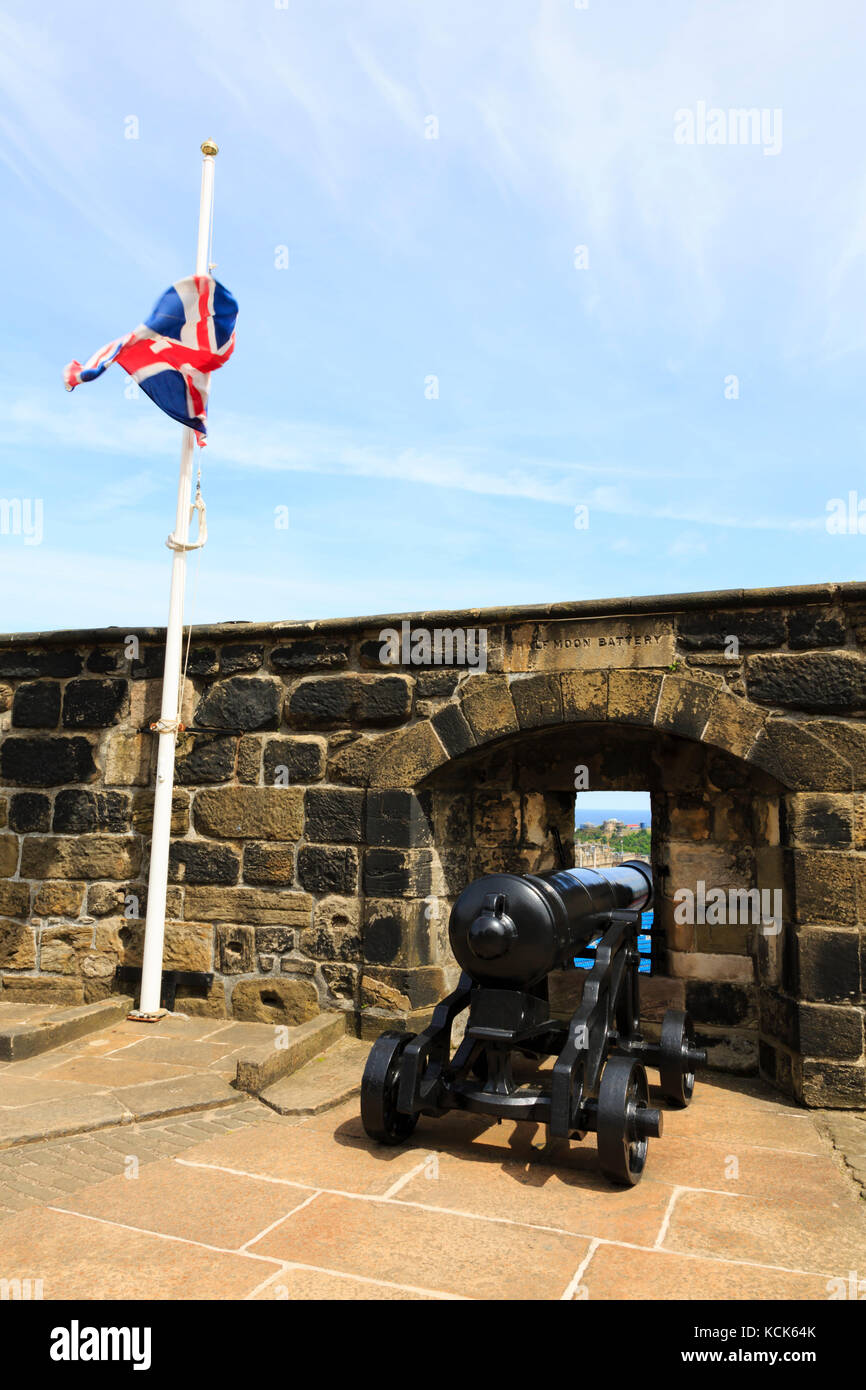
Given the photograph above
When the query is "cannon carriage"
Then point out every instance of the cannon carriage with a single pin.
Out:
(508, 933)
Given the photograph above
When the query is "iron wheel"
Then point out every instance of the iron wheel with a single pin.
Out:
(625, 1121)
(380, 1117)
(675, 1045)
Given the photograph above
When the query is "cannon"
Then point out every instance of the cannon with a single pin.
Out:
(508, 933)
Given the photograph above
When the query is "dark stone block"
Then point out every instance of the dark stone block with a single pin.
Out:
(720, 1002)
(384, 700)
(778, 1017)
(453, 730)
(537, 700)
(241, 702)
(383, 938)
(205, 758)
(46, 762)
(685, 706)
(81, 812)
(709, 631)
(18, 665)
(240, 657)
(202, 662)
(103, 663)
(303, 759)
(309, 653)
(820, 682)
(799, 761)
(29, 811)
(827, 965)
(324, 869)
(394, 873)
(436, 683)
(36, 705)
(150, 664)
(334, 816)
(399, 819)
(93, 704)
(828, 1031)
(323, 703)
(236, 950)
(335, 701)
(810, 627)
(193, 862)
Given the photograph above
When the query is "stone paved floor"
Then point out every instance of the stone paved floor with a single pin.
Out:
(744, 1197)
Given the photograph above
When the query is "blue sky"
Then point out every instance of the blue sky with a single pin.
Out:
(453, 257)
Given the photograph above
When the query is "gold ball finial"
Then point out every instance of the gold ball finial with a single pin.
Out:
(210, 147)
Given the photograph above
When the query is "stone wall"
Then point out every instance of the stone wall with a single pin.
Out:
(329, 808)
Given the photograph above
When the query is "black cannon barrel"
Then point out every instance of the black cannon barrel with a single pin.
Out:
(513, 929)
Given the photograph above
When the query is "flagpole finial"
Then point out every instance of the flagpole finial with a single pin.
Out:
(210, 147)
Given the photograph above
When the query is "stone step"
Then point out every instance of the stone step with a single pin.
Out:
(28, 1036)
(322, 1083)
(290, 1050)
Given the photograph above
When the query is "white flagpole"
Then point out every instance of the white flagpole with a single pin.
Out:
(154, 930)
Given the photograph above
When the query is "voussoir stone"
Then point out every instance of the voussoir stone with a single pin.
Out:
(250, 813)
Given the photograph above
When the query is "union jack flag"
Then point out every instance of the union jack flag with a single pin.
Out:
(190, 333)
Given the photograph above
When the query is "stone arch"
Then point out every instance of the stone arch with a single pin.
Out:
(788, 1015)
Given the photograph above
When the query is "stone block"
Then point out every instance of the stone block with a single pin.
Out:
(46, 762)
(826, 965)
(283, 1000)
(584, 695)
(240, 656)
(269, 863)
(126, 758)
(275, 940)
(29, 811)
(61, 949)
(685, 705)
(632, 696)
(709, 630)
(41, 989)
(36, 705)
(488, 707)
(249, 813)
(452, 730)
(408, 756)
(798, 760)
(17, 946)
(14, 898)
(722, 1003)
(819, 682)
(9, 850)
(336, 930)
(397, 932)
(250, 759)
(328, 869)
(93, 704)
(537, 699)
(80, 857)
(334, 815)
(80, 812)
(188, 945)
(192, 861)
(833, 1085)
(821, 819)
(398, 819)
(205, 758)
(250, 906)
(291, 760)
(244, 703)
(827, 1030)
(308, 654)
(236, 950)
(58, 899)
(826, 886)
(142, 812)
(814, 627)
(16, 664)
(733, 724)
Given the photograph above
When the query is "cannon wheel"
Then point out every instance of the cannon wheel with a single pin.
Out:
(677, 1038)
(379, 1114)
(624, 1090)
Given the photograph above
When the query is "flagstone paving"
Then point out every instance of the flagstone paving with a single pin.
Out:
(744, 1197)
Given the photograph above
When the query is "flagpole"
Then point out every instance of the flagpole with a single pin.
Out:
(157, 886)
